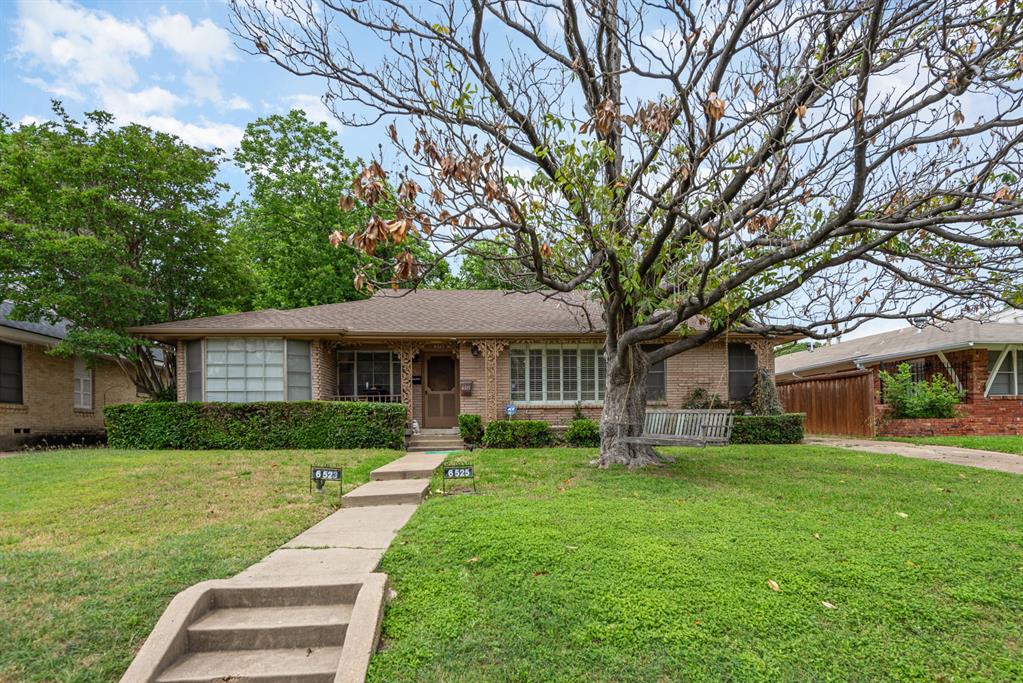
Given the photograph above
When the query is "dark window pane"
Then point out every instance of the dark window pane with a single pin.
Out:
(656, 379)
(742, 365)
(10, 373)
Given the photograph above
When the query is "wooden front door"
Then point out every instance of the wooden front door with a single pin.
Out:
(440, 392)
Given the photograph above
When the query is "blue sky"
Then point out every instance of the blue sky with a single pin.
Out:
(173, 66)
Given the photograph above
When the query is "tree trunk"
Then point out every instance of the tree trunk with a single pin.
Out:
(624, 414)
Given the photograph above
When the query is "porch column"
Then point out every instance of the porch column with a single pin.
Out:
(491, 349)
(406, 351)
(764, 350)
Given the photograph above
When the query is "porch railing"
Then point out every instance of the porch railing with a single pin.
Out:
(369, 398)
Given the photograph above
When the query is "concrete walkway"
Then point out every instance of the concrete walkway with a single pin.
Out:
(310, 611)
(971, 457)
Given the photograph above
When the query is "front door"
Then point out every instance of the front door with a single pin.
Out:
(440, 392)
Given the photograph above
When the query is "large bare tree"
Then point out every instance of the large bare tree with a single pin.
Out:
(780, 166)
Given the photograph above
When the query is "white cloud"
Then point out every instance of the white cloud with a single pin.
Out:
(315, 109)
(29, 120)
(237, 102)
(203, 45)
(78, 46)
(203, 134)
(133, 106)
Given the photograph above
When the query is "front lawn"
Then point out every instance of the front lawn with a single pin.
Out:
(887, 568)
(95, 543)
(1005, 444)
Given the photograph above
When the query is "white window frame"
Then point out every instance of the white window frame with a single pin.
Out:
(530, 401)
(83, 383)
(1007, 353)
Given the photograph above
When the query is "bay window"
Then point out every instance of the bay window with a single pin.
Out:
(556, 374)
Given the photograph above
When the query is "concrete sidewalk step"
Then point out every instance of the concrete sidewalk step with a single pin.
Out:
(393, 492)
(255, 628)
(292, 665)
(413, 466)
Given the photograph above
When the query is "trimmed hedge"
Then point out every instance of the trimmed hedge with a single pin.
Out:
(517, 434)
(583, 433)
(470, 427)
(283, 424)
(787, 428)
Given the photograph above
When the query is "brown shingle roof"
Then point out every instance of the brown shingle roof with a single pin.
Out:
(408, 313)
(905, 343)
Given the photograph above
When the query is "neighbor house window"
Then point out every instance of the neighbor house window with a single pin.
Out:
(83, 385)
(10, 373)
(656, 380)
(553, 374)
(1003, 372)
(742, 366)
(256, 369)
(368, 373)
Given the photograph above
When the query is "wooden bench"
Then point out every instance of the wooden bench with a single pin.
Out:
(686, 427)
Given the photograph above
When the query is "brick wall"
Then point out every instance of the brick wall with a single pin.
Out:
(48, 398)
(182, 372)
(323, 362)
(994, 415)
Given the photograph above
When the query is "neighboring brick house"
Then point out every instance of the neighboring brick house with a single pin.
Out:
(48, 399)
(984, 359)
(441, 352)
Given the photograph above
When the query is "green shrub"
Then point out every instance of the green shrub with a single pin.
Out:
(787, 428)
(583, 433)
(470, 427)
(700, 398)
(517, 434)
(291, 424)
(936, 397)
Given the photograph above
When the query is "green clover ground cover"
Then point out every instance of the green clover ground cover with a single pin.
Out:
(561, 572)
(95, 543)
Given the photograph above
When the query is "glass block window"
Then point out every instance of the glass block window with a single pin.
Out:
(242, 370)
(368, 373)
(82, 385)
(554, 374)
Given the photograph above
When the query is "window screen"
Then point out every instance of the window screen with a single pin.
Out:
(656, 379)
(193, 370)
(10, 373)
(742, 366)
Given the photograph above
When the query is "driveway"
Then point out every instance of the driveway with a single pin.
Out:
(971, 457)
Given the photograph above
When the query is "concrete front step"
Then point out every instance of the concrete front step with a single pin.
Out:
(413, 466)
(292, 665)
(264, 628)
(393, 492)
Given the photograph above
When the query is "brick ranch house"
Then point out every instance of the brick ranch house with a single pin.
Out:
(48, 399)
(839, 386)
(440, 352)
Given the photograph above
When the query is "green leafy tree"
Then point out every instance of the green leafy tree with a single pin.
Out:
(110, 228)
(297, 171)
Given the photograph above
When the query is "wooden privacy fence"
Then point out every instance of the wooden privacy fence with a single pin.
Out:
(834, 404)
